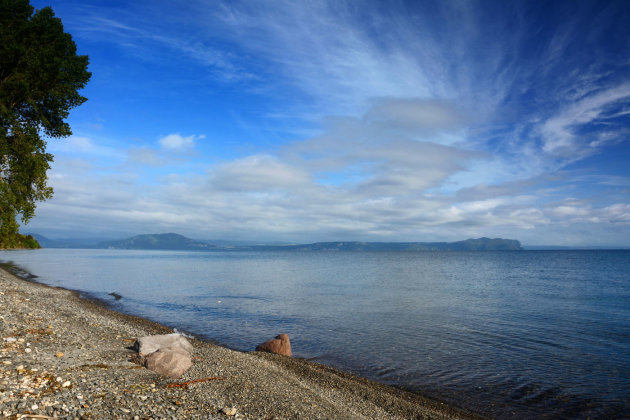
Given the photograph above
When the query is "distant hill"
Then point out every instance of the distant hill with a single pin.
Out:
(170, 241)
(481, 244)
(173, 241)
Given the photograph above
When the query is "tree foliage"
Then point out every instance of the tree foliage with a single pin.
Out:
(40, 76)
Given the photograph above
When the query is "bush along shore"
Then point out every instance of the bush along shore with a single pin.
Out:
(64, 357)
(18, 241)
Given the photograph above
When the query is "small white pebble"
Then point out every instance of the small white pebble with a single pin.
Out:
(79, 397)
(10, 339)
(59, 379)
(27, 350)
(65, 384)
(229, 411)
(34, 407)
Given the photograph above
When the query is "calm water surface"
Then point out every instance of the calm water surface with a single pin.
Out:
(509, 334)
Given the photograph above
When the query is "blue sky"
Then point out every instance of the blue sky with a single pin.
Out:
(306, 121)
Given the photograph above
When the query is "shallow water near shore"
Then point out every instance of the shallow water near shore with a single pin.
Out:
(506, 334)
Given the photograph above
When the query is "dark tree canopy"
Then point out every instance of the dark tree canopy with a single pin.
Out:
(40, 76)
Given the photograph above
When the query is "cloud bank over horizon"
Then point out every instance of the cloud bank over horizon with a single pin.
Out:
(312, 121)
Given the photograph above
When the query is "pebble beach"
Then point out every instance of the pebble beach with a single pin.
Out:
(62, 356)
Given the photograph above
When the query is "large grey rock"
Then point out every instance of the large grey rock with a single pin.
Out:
(168, 362)
(279, 345)
(152, 343)
(167, 354)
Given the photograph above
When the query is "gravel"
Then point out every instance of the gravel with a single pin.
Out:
(65, 357)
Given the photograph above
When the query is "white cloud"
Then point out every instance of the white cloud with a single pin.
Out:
(83, 146)
(559, 133)
(179, 143)
(527, 218)
(379, 155)
(263, 197)
(257, 173)
(617, 213)
(570, 211)
(418, 116)
(144, 156)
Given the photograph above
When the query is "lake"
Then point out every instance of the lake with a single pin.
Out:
(523, 334)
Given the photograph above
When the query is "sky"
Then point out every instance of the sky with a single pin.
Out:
(305, 121)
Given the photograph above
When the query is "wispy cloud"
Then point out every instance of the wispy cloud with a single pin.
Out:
(326, 51)
(141, 36)
(83, 146)
(562, 134)
(420, 120)
(178, 143)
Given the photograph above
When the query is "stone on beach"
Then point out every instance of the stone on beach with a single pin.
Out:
(168, 362)
(279, 345)
(167, 354)
(229, 411)
(152, 343)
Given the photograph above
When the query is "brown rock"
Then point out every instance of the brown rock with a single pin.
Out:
(168, 362)
(279, 345)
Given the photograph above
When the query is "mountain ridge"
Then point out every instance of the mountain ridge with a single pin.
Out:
(159, 241)
(173, 241)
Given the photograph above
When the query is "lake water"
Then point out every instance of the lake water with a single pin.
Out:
(507, 334)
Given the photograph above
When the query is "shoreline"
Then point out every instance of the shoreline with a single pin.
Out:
(61, 338)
